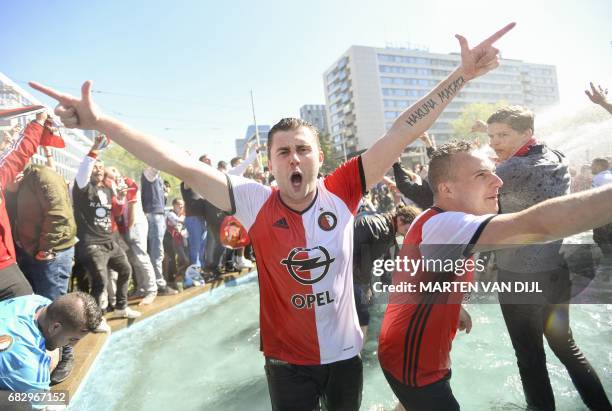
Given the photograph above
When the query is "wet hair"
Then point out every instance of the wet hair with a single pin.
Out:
(518, 118)
(77, 310)
(289, 124)
(407, 213)
(440, 164)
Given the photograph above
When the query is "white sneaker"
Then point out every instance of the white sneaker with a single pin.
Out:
(148, 299)
(242, 263)
(127, 312)
(103, 327)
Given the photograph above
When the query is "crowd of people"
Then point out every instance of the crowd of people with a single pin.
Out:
(104, 236)
(315, 239)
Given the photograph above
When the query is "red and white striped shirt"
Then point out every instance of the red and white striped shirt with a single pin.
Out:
(304, 261)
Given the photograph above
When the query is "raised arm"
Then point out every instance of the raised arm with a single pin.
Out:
(549, 220)
(599, 96)
(421, 115)
(83, 175)
(14, 158)
(49, 156)
(83, 113)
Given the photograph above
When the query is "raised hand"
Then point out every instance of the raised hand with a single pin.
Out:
(479, 126)
(597, 95)
(73, 112)
(425, 139)
(100, 142)
(482, 58)
(42, 117)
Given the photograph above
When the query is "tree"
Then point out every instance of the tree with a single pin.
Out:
(462, 126)
(332, 161)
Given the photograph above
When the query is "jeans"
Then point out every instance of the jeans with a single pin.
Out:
(48, 278)
(157, 228)
(527, 325)
(144, 273)
(214, 249)
(97, 259)
(196, 228)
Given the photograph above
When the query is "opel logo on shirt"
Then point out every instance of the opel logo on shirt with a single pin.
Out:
(308, 265)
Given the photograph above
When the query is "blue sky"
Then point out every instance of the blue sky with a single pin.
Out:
(183, 70)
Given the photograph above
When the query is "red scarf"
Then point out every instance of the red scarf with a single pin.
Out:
(521, 152)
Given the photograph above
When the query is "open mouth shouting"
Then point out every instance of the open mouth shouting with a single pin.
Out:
(296, 180)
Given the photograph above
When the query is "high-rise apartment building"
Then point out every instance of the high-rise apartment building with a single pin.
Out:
(368, 87)
(250, 134)
(315, 114)
(68, 159)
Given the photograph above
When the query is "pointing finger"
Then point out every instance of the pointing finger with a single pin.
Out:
(61, 97)
(496, 36)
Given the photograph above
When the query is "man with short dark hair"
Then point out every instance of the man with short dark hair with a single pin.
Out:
(94, 206)
(301, 232)
(419, 327)
(32, 327)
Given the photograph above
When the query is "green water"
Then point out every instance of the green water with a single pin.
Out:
(204, 355)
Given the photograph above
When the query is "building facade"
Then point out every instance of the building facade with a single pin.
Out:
(316, 115)
(250, 134)
(368, 87)
(67, 160)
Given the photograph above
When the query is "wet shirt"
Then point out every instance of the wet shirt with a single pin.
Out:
(304, 261)
(418, 328)
(24, 363)
(529, 179)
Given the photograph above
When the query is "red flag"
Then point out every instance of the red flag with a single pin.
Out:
(50, 138)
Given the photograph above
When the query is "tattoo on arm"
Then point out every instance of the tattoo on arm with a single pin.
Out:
(446, 94)
(451, 89)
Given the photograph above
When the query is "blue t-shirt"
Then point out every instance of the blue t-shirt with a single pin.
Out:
(24, 363)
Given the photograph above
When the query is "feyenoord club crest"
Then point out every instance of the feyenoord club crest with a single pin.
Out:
(5, 342)
(327, 221)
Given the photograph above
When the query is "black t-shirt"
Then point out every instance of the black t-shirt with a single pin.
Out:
(194, 204)
(93, 213)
